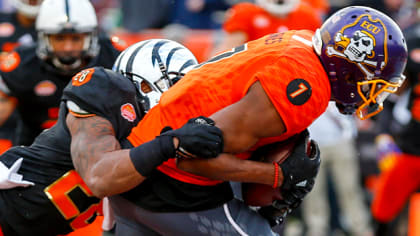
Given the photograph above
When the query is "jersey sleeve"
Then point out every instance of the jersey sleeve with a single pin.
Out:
(16, 67)
(238, 18)
(108, 53)
(299, 91)
(102, 92)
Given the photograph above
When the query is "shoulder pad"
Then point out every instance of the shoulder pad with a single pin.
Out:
(76, 108)
(20, 69)
(19, 59)
(118, 43)
(103, 92)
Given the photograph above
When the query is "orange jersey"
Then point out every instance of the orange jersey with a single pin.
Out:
(287, 68)
(322, 6)
(256, 22)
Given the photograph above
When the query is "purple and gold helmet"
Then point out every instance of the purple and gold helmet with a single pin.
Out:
(364, 54)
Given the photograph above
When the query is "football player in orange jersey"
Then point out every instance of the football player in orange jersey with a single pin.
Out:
(322, 6)
(258, 93)
(248, 21)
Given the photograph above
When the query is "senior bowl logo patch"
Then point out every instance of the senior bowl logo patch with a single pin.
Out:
(415, 55)
(45, 88)
(128, 112)
(356, 43)
(6, 29)
(9, 61)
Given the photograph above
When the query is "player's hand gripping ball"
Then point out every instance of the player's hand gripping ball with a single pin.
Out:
(264, 195)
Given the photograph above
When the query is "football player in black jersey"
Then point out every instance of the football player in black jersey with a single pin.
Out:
(16, 28)
(98, 109)
(36, 75)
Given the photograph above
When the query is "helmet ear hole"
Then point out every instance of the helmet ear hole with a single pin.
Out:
(145, 87)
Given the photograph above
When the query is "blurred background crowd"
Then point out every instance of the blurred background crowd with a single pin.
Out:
(355, 153)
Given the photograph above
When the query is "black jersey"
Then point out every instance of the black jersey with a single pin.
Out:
(12, 33)
(409, 139)
(38, 87)
(60, 201)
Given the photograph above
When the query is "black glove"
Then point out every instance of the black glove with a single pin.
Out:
(300, 169)
(293, 197)
(277, 212)
(273, 215)
(197, 138)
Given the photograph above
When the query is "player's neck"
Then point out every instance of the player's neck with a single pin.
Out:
(24, 20)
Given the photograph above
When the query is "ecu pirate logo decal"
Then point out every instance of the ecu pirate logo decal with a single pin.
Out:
(356, 43)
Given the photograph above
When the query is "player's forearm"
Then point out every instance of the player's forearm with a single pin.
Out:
(97, 157)
(228, 167)
(112, 174)
(105, 169)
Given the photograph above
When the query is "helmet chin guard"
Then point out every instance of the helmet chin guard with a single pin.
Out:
(379, 90)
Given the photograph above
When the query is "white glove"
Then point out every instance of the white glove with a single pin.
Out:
(9, 178)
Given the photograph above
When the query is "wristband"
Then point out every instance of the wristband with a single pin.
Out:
(152, 154)
(276, 175)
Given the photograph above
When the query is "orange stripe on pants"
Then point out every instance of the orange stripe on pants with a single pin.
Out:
(414, 215)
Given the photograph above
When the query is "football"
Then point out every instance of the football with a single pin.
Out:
(261, 194)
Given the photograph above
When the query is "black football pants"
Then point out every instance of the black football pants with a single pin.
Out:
(232, 219)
